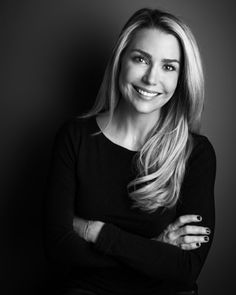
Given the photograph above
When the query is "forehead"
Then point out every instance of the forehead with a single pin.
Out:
(157, 43)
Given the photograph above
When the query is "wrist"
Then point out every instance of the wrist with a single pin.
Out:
(92, 230)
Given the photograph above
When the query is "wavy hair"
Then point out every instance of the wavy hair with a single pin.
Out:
(162, 159)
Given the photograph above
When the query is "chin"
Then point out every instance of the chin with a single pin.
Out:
(145, 109)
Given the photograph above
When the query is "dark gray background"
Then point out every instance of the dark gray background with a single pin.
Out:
(53, 54)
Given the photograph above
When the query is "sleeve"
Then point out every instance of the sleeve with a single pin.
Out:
(62, 243)
(160, 260)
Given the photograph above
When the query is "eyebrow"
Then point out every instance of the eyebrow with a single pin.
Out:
(167, 60)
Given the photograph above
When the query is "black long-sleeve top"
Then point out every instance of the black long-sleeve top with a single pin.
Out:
(88, 178)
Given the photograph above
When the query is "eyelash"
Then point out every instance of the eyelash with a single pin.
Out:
(167, 67)
(139, 58)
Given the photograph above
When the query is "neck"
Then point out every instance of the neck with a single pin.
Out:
(132, 125)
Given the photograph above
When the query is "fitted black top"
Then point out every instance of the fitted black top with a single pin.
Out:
(88, 178)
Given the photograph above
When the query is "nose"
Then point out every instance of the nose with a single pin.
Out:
(151, 76)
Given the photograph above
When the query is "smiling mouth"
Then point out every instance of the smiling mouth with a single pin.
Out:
(145, 92)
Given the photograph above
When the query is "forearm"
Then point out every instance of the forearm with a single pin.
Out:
(150, 256)
(66, 247)
(155, 259)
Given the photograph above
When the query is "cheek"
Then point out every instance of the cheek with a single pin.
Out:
(171, 84)
(128, 73)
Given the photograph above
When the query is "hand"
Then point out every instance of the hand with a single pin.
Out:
(183, 235)
(87, 229)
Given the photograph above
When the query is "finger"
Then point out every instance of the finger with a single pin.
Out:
(193, 230)
(188, 230)
(192, 239)
(183, 219)
(191, 246)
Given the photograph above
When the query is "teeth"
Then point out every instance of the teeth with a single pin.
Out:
(149, 94)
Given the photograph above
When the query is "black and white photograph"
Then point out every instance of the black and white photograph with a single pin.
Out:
(117, 147)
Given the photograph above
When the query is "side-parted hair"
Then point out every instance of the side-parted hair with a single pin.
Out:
(162, 159)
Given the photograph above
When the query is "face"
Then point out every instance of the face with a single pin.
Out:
(149, 71)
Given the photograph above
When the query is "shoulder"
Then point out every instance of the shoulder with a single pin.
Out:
(75, 126)
(71, 131)
(201, 146)
(203, 153)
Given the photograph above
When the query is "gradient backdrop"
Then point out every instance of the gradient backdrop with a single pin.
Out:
(53, 54)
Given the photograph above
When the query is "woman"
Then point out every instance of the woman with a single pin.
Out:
(131, 197)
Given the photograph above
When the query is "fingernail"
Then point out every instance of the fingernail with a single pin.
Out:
(206, 239)
(199, 217)
(198, 244)
(208, 231)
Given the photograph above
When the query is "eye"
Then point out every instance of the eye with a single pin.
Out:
(141, 59)
(169, 68)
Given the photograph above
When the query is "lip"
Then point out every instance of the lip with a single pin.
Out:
(146, 90)
(151, 94)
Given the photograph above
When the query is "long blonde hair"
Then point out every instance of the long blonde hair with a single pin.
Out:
(162, 159)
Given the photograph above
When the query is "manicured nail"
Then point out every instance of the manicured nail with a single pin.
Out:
(208, 231)
(199, 217)
(206, 239)
(198, 244)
